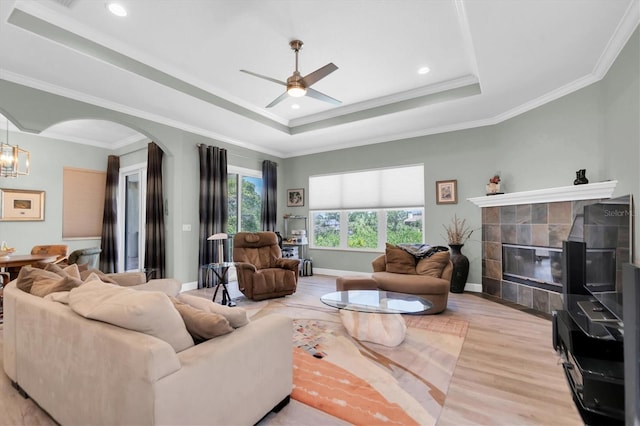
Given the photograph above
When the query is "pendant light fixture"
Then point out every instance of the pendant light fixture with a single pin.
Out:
(14, 161)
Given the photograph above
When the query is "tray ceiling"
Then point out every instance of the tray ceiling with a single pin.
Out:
(178, 62)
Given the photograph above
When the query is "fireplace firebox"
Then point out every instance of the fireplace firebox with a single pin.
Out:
(541, 267)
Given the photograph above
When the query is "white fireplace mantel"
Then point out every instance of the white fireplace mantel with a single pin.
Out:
(590, 191)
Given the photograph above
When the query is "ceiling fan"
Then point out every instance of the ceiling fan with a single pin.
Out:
(298, 86)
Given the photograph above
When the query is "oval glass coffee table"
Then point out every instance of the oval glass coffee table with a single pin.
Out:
(374, 315)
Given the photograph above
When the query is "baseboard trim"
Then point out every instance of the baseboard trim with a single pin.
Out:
(474, 288)
(471, 287)
(193, 285)
(339, 273)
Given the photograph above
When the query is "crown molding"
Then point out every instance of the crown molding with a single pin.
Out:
(618, 40)
(382, 101)
(113, 106)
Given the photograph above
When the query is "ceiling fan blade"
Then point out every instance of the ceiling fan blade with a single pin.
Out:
(282, 83)
(322, 97)
(279, 99)
(318, 74)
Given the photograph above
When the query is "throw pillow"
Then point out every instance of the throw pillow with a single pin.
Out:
(45, 285)
(399, 261)
(147, 312)
(83, 267)
(433, 265)
(27, 274)
(92, 277)
(101, 275)
(69, 270)
(236, 316)
(200, 324)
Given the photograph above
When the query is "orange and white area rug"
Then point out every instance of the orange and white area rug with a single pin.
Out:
(369, 384)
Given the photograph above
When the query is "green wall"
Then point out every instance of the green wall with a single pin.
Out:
(595, 128)
(34, 110)
(48, 157)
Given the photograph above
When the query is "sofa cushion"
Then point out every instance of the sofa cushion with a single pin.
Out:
(59, 296)
(45, 285)
(147, 312)
(399, 261)
(101, 275)
(64, 271)
(236, 316)
(433, 265)
(28, 274)
(411, 284)
(169, 286)
(200, 324)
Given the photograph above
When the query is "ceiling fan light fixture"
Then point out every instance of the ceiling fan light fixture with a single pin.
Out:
(296, 91)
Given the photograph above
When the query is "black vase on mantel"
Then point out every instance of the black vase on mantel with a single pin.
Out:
(581, 177)
(460, 268)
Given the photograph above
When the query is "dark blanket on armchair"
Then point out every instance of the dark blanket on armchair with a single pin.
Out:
(420, 251)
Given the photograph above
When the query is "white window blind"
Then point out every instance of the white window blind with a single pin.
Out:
(370, 189)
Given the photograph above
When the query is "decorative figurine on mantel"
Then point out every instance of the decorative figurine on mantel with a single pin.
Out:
(493, 187)
(581, 177)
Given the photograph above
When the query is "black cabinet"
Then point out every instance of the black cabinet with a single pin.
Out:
(594, 367)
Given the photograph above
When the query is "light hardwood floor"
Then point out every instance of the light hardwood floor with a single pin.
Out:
(507, 373)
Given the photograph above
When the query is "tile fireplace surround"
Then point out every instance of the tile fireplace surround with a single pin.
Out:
(540, 218)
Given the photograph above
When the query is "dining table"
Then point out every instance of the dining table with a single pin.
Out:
(13, 262)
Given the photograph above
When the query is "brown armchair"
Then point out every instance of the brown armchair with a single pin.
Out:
(262, 272)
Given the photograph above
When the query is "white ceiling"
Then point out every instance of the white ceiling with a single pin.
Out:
(177, 62)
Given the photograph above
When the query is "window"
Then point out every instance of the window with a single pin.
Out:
(244, 188)
(131, 203)
(363, 210)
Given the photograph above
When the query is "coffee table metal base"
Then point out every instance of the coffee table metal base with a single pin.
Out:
(384, 329)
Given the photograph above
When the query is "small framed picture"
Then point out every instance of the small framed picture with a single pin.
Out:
(447, 192)
(21, 204)
(295, 197)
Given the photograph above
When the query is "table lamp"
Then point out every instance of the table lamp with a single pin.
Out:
(220, 237)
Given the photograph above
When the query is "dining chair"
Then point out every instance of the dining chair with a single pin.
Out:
(61, 250)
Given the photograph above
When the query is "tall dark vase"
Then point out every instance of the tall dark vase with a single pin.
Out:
(460, 268)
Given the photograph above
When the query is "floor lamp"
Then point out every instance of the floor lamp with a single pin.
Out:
(220, 237)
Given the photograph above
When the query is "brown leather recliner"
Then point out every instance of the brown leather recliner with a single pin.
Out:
(262, 272)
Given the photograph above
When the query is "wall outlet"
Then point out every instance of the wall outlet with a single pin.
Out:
(186, 227)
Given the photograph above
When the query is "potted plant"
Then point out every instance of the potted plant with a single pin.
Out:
(458, 232)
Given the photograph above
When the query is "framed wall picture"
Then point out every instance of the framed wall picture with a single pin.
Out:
(447, 192)
(295, 197)
(21, 204)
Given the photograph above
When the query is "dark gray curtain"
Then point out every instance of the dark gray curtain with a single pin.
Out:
(154, 244)
(213, 203)
(269, 195)
(109, 240)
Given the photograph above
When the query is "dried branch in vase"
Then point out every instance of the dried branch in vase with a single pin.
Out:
(458, 232)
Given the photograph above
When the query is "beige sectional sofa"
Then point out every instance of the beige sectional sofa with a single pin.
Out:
(83, 371)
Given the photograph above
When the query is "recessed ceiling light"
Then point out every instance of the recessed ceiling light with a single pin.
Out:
(424, 70)
(117, 9)
(295, 106)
